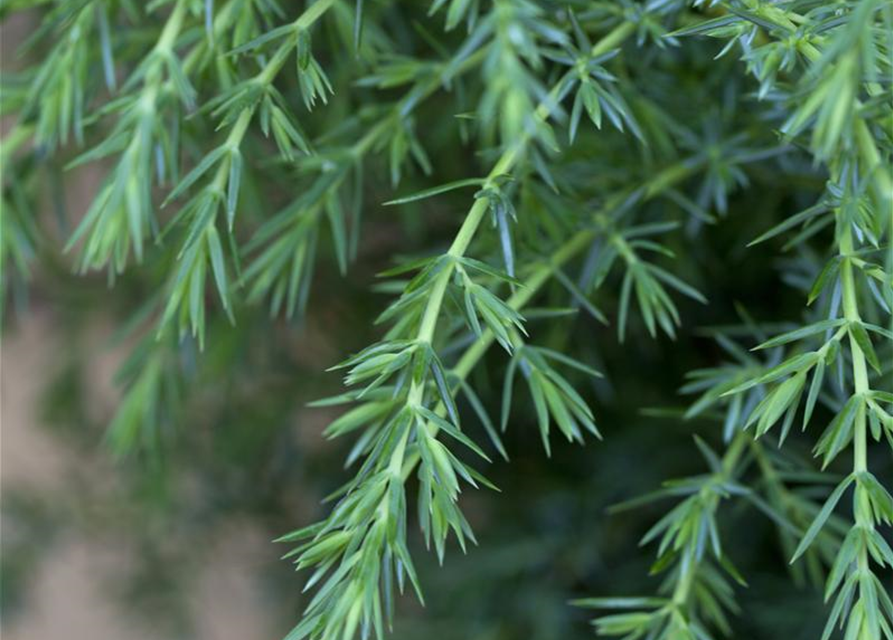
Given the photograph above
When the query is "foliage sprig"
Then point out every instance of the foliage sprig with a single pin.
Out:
(228, 179)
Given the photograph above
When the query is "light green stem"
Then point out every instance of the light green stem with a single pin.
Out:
(163, 47)
(266, 76)
(580, 241)
(478, 210)
(860, 382)
(882, 181)
(172, 28)
(860, 370)
(729, 461)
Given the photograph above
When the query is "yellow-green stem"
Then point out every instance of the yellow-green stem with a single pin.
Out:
(164, 47)
(860, 369)
(505, 164)
(882, 181)
(860, 383)
(172, 28)
(729, 462)
(530, 287)
(473, 219)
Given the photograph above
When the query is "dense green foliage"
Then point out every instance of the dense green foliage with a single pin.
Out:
(570, 183)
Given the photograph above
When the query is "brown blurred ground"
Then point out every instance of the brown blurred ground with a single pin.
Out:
(70, 594)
